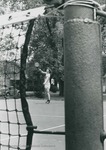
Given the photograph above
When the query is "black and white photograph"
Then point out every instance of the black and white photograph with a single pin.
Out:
(52, 74)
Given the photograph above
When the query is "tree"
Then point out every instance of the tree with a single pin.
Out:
(46, 46)
(15, 5)
(46, 41)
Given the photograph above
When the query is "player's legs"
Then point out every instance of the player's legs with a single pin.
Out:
(47, 90)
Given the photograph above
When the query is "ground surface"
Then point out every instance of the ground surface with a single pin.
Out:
(47, 117)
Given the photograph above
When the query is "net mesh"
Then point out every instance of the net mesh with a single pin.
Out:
(14, 114)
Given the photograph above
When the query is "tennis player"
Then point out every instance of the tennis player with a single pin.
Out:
(46, 83)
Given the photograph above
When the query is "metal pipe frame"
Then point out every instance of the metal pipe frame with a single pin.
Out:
(83, 88)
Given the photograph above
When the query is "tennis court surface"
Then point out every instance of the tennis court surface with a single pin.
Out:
(47, 117)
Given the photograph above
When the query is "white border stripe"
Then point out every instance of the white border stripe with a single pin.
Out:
(63, 125)
(47, 116)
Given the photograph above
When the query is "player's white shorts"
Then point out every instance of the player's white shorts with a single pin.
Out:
(47, 87)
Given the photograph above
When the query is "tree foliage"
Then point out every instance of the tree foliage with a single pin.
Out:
(46, 43)
(15, 5)
(46, 39)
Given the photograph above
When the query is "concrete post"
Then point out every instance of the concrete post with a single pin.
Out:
(83, 90)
